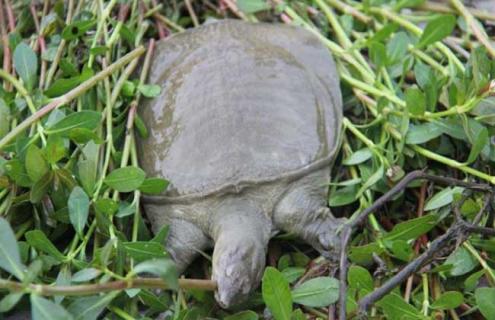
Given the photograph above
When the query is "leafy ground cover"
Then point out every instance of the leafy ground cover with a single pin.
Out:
(417, 79)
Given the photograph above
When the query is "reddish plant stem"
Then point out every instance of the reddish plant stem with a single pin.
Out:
(10, 16)
(40, 44)
(90, 289)
(123, 12)
(421, 241)
(233, 7)
(162, 34)
(6, 48)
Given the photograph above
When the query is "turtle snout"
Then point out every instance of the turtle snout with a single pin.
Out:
(237, 268)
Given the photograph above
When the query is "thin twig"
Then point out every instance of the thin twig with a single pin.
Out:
(413, 266)
(90, 289)
(474, 25)
(437, 7)
(347, 9)
(192, 14)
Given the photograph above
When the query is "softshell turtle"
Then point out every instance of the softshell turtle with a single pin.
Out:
(245, 128)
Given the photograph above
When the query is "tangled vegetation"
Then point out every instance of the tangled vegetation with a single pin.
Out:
(418, 84)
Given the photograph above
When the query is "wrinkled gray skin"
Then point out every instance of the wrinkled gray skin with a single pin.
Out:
(245, 128)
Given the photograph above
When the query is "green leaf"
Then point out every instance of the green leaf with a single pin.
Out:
(144, 250)
(68, 68)
(36, 165)
(293, 273)
(163, 268)
(407, 4)
(4, 118)
(38, 240)
(276, 294)
(99, 50)
(411, 229)
(298, 315)
(422, 133)
(480, 63)
(161, 236)
(86, 167)
(77, 29)
(395, 307)
(55, 149)
(83, 136)
(374, 178)
(26, 64)
(61, 86)
(10, 259)
(415, 101)
(378, 54)
(17, 172)
(358, 157)
(106, 206)
(9, 301)
(78, 208)
(149, 90)
(125, 209)
(85, 275)
(424, 75)
(141, 127)
(89, 308)
(243, 315)
(462, 262)
(41, 187)
(64, 85)
(125, 179)
(44, 309)
(154, 185)
(400, 249)
(397, 47)
(384, 32)
(343, 196)
(252, 6)
(485, 298)
(480, 141)
(442, 198)
(364, 254)
(436, 30)
(360, 278)
(86, 119)
(472, 281)
(448, 300)
(317, 292)
(485, 110)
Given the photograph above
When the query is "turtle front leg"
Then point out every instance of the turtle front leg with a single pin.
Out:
(302, 211)
(241, 232)
(185, 240)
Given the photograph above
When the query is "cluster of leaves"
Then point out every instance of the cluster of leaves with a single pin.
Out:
(70, 185)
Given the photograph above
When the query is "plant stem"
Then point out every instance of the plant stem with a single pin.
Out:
(90, 289)
(60, 49)
(347, 9)
(475, 26)
(488, 270)
(453, 163)
(72, 94)
(437, 7)
(168, 22)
